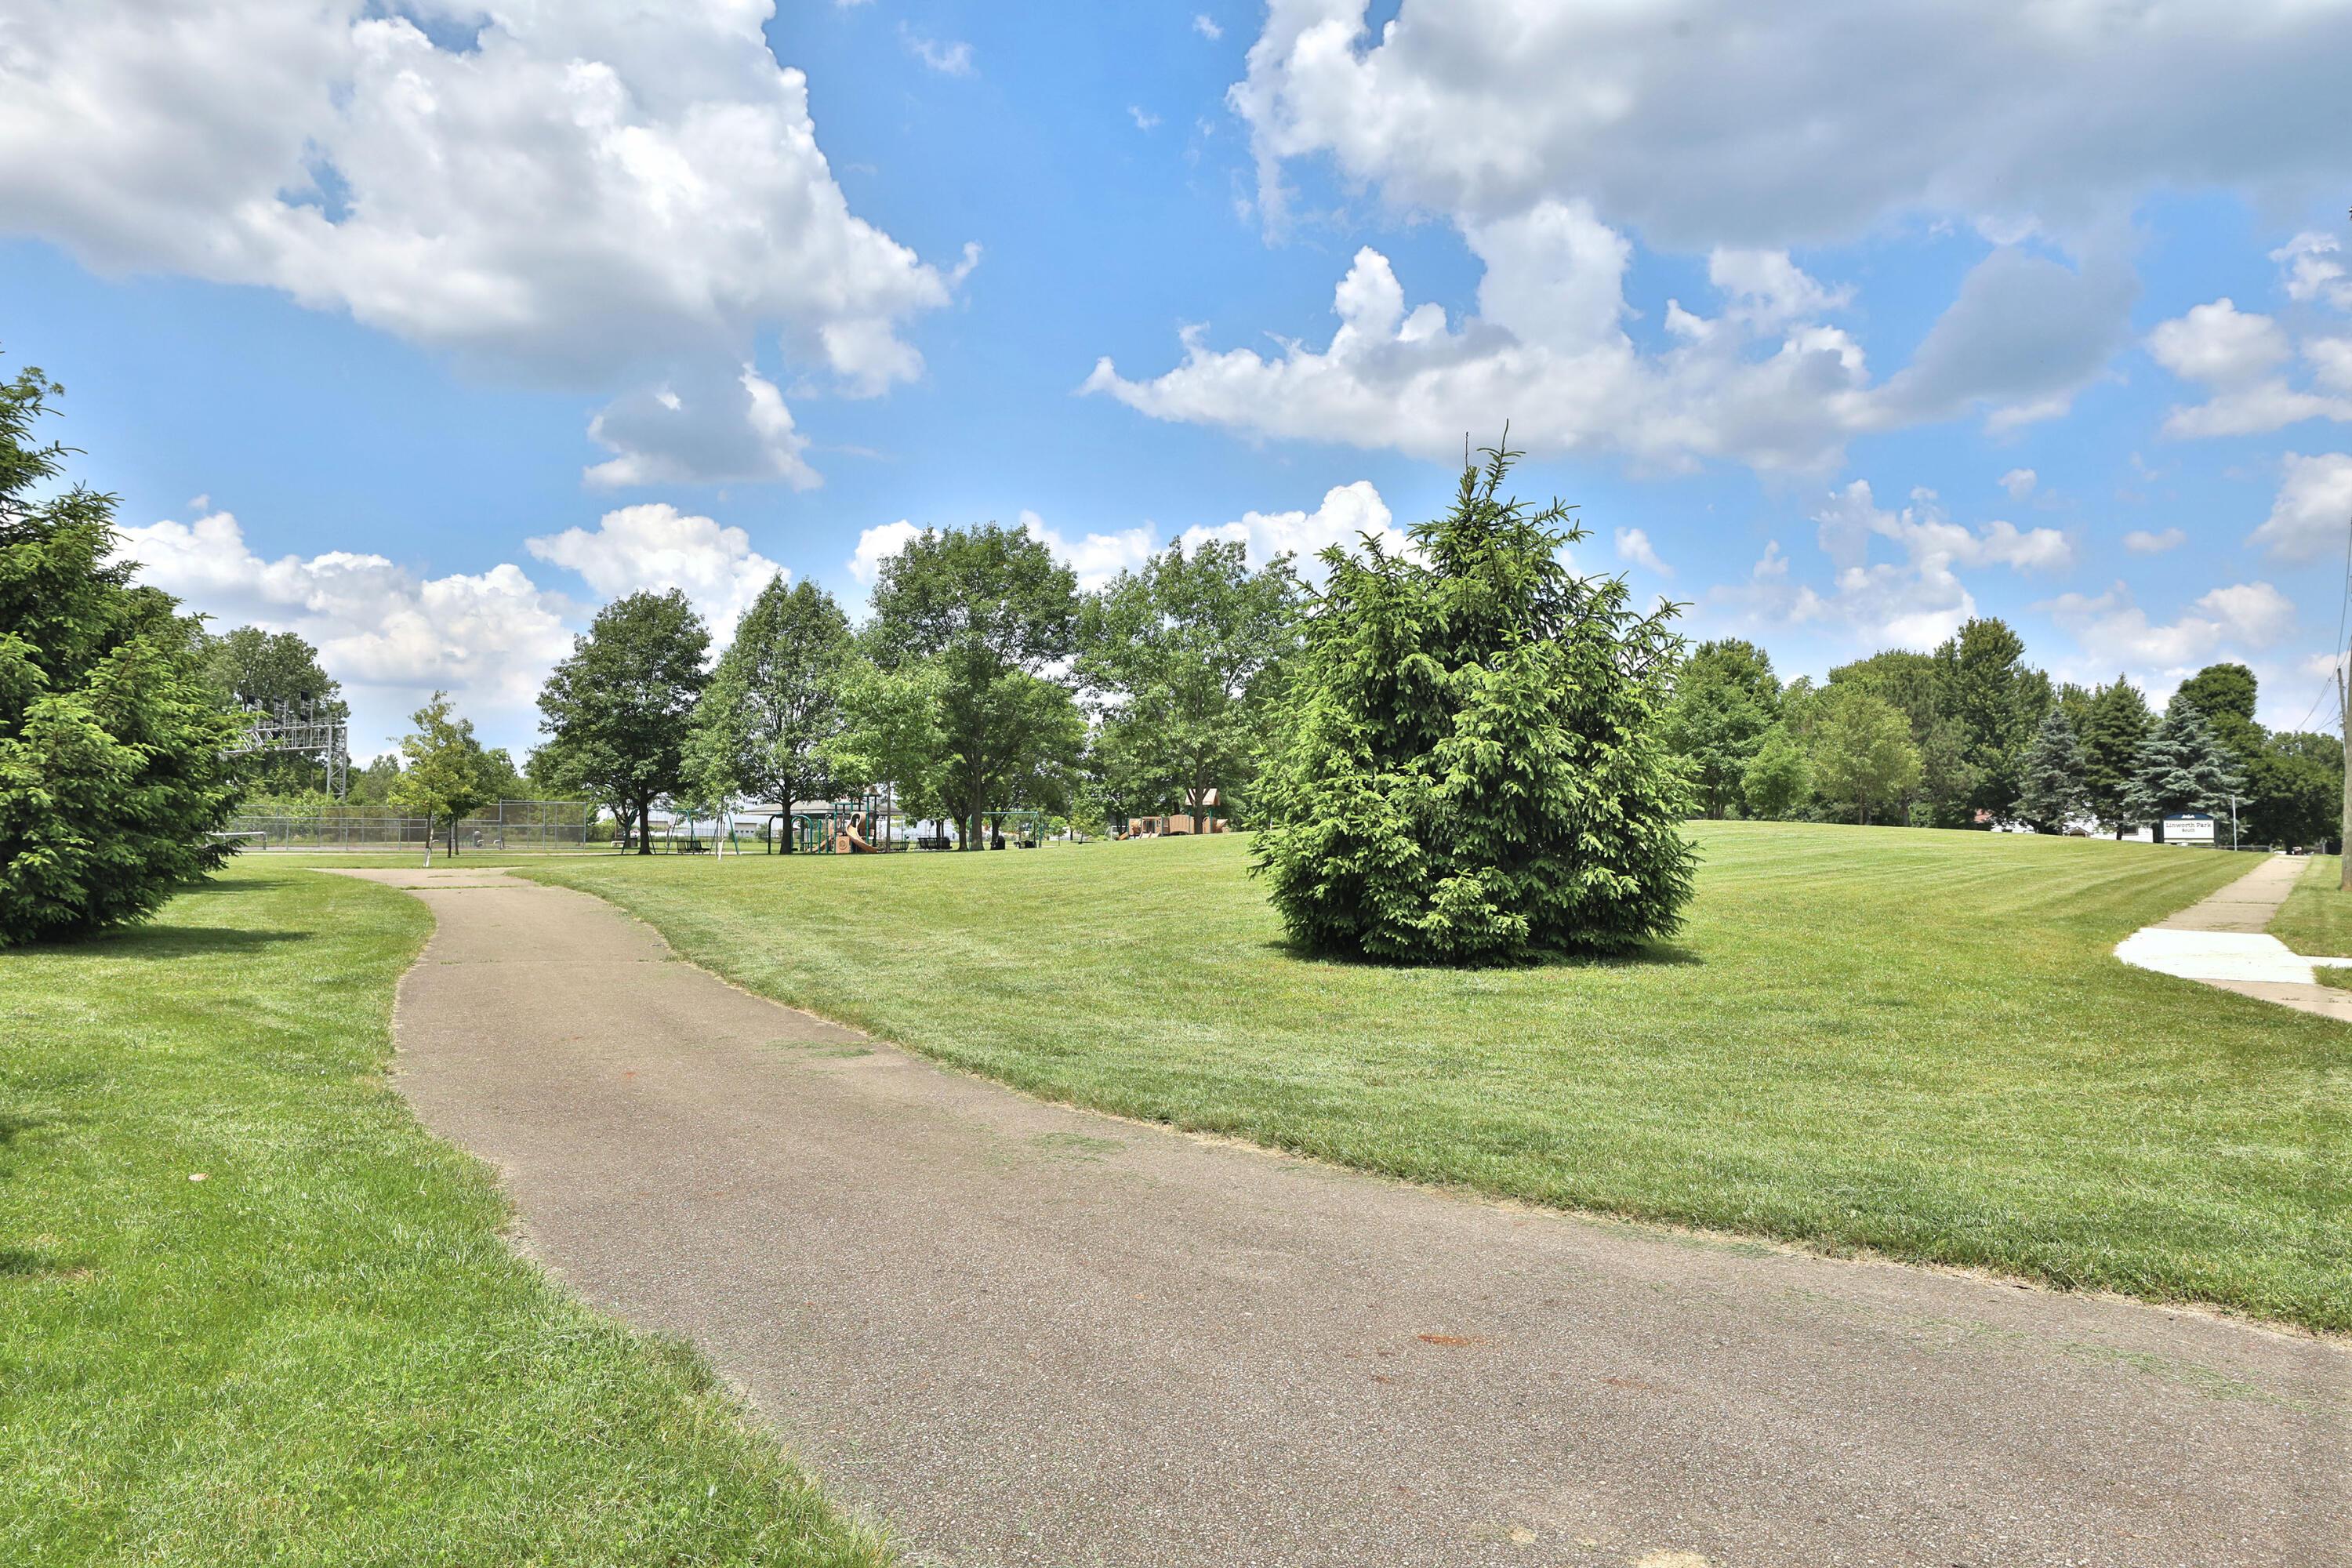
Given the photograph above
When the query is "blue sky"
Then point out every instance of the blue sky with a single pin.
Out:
(421, 330)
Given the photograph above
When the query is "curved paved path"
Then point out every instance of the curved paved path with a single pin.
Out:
(1024, 1334)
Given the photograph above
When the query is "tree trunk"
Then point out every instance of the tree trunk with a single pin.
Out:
(2159, 825)
(645, 828)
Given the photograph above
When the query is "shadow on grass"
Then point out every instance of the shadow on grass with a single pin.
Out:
(25, 1263)
(13, 1123)
(182, 941)
(1656, 954)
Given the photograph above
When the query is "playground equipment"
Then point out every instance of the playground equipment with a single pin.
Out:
(1028, 828)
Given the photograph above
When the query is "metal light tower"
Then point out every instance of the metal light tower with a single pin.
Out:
(304, 728)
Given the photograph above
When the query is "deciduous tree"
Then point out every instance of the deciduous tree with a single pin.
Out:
(970, 622)
(444, 773)
(1777, 776)
(762, 722)
(620, 709)
(1862, 755)
(1186, 659)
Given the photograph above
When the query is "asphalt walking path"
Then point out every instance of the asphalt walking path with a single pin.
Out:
(1019, 1334)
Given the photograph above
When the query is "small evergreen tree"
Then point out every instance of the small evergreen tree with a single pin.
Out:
(111, 738)
(1472, 772)
(2051, 790)
(2180, 767)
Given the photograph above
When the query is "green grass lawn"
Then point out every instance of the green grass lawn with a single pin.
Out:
(2317, 920)
(322, 1353)
(1912, 1042)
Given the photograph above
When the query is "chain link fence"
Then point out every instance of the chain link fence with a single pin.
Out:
(511, 827)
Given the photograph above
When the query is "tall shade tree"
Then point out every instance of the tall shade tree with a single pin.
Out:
(1187, 657)
(444, 774)
(1726, 698)
(2294, 791)
(2224, 696)
(1473, 772)
(968, 623)
(1997, 699)
(1778, 777)
(111, 738)
(2050, 788)
(1862, 753)
(260, 669)
(2116, 722)
(763, 721)
(2181, 767)
(620, 707)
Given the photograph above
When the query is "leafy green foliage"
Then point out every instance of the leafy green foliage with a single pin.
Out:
(2180, 767)
(954, 704)
(2223, 696)
(2050, 789)
(1726, 698)
(619, 710)
(447, 773)
(1862, 756)
(1778, 777)
(761, 723)
(1188, 655)
(2294, 791)
(262, 669)
(111, 736)
(1997, 699)
(1473, 772)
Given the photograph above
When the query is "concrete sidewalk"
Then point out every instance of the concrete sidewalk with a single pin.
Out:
(1019, 1334)
(2224, 940)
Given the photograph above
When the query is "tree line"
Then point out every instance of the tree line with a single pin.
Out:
(1970, 735)
(982, 680)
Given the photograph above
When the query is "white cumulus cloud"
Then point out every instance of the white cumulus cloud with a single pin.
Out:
(1348, 514)
(1765, 381)
(1704, 122)
(390, 634)
(2311, 509)
(2141, 541)
(1633, 547)
(877, 545)
(562, 192)
(2115, 633)
(656, 547)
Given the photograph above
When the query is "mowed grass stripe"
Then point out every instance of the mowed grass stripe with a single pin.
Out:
(323, 1352)
(1911, 1042)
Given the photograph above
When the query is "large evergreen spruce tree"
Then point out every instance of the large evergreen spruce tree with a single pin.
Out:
(2113, 729)
(2052, 790)
(1472, 772)
(111, 738)
(2180, 767)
